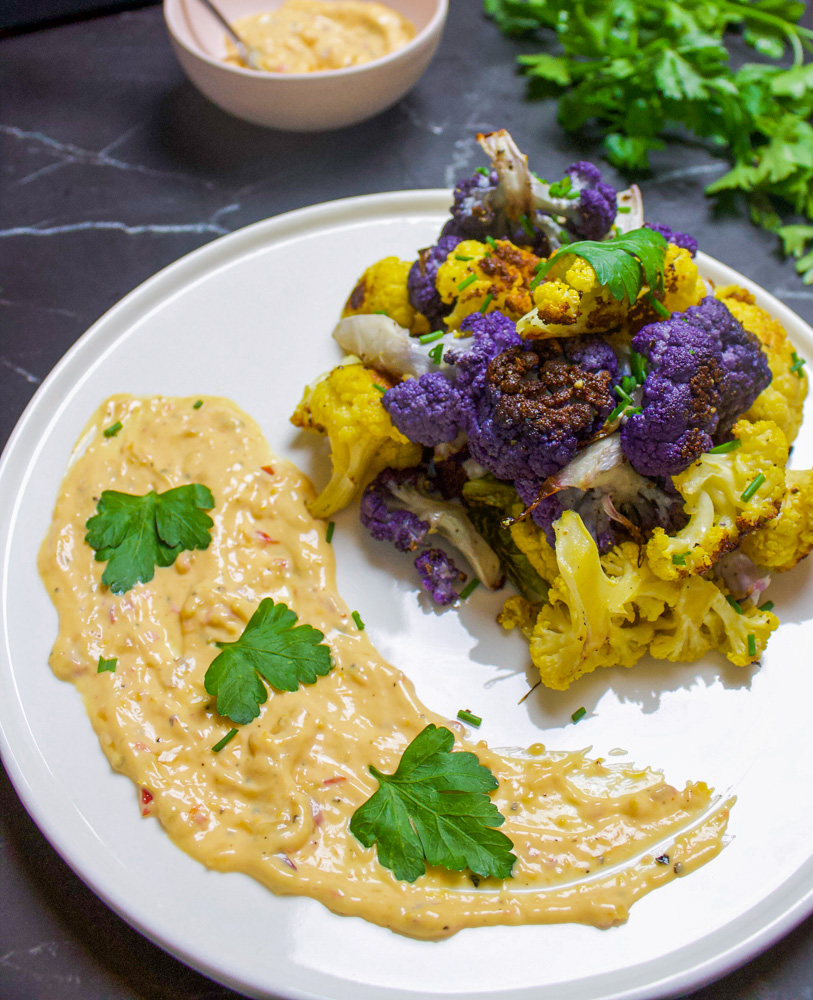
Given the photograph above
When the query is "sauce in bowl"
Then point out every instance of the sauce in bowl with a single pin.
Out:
(306, 36)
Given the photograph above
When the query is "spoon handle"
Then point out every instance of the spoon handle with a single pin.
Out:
(239, 44)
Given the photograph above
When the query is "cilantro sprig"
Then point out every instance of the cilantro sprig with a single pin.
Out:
(623, 264)
(270, 649)
(435, 809)
(134, 534)
(644, 72)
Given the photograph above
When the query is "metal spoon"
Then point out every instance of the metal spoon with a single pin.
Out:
(248, 55)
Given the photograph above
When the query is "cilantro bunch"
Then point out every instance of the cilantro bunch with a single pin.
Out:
(640, 69)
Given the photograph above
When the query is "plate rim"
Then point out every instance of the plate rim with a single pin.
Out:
(101, 338)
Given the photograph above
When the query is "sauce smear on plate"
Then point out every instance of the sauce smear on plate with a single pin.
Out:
(276, 801)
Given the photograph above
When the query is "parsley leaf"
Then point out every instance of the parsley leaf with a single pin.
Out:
(642, 71)
(270, 648)
(622, 264)
(435, 808)
(134, 534)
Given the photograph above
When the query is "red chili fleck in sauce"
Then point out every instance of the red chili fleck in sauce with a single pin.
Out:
(334, 781)
(268, 468)
(146, 799)
(266, 538)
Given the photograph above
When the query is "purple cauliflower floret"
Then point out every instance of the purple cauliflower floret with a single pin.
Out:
(597, 209)
(675, 236)
(538, 404)
(492, 333)
(704, 371)
(425, 409)
(438, 573)
(401, 527)
(473, 210)
(592, 213)
(583, 174)
(423, 295)
(745, 364)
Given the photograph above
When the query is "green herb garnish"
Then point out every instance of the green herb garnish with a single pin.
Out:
(435, 809)
(469, 589)
(113, 429)
(197, 405)
(134, 534)
(752, 644)
(107, 665)
(225, 741)
(796, 367)
(270, 649)
(750, 490)
(462, 256)
(487, 302)
(427, 338)
(578, 714)
(464, 284)
(379, 388)
(767, 606)
(466, 716)
(623, 264)
(436, 354)
(357, 619)
(491, 242)
(723, 449)
(482, 170)
(679, 559)
(658, 306)
(735, 604)
(331, 527)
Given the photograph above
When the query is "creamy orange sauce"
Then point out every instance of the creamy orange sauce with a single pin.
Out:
(303, 36)
(590, 837)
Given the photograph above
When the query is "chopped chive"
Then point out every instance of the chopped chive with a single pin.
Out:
(722, 449)
(331, 527)
(536, 281)
(617, 412)
(226, 739)
(540, 179)
(483, 170)
(578, 714)
(752, 644)
(560, 189)
(427, 338)
(797, 364)
(466, 282)
(357, 619)
(658, 306)
(491, 242)
(634, 410)
(469, 589)
(113, 429)
(462, 256)
(767, 606)
(638, 366)
(466, 716)
(380, 312)
(486, 303)
(629, 384)
(106, 665)
(734, 604)
(379, 388)
(624, 210)
(197, 405)
(679, 559)
(436, 354)
(620, 391)
(755, 485)
(528, 229)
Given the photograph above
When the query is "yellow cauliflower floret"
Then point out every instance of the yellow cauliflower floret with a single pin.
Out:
(345, 405)
(383, 288)
(789, 537)
(530, 540)
(714, 488)
(519, 613)
(502, 271)
(608, 611)
(783, 399)
(570, 301)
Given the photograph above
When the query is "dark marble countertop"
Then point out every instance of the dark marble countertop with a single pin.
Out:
(114, 166)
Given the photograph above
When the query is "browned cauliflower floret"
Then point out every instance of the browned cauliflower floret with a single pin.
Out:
(383, 289)
(789, 537)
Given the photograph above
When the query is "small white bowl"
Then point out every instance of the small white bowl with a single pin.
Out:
(299, 102)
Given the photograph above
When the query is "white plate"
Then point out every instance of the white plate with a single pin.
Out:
(249, 317)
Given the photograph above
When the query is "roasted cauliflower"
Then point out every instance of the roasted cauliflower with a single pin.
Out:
(346, 405)
(383, 289)
(786, 539)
